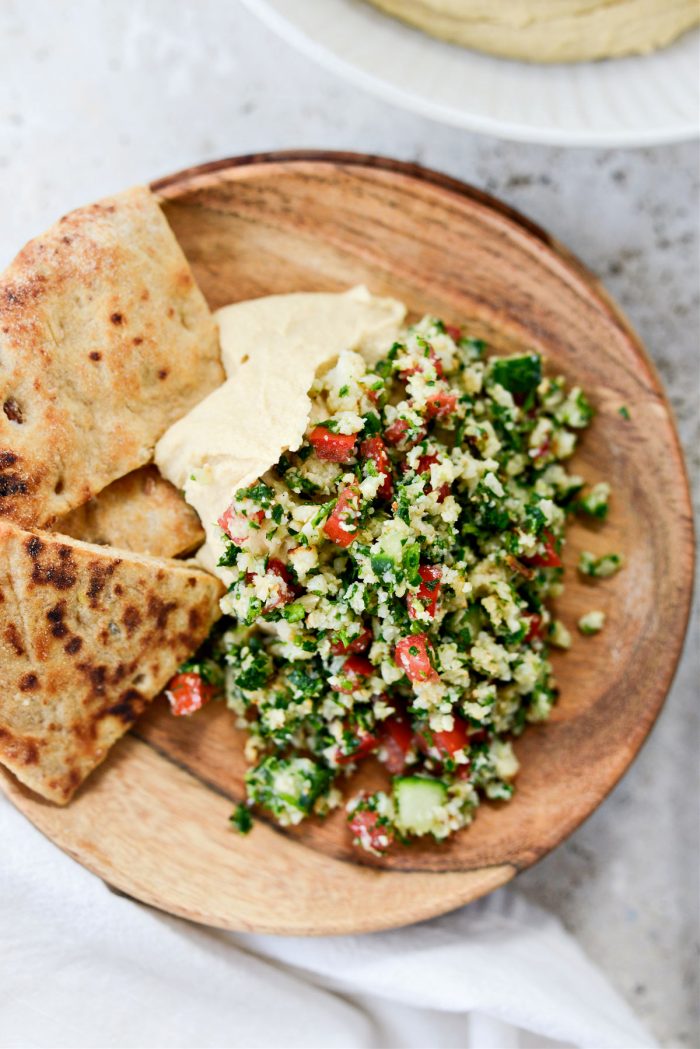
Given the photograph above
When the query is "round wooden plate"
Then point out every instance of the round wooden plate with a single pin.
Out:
(153, 821)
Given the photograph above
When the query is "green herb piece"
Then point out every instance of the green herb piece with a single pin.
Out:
(286, 786)
(599, 567)
(521, 375)
(255, 670)
(595, 502)
(293, 613)
(242, 819)
(230, 555)
(373, 424)
(260, 493)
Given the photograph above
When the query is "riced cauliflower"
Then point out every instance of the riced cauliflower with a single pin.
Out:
(390, 585)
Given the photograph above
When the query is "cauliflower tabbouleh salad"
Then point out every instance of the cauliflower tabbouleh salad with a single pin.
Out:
(390, 588)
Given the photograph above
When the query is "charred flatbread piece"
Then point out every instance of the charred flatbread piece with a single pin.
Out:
(88, 636)
(105, 340)
(141, 512)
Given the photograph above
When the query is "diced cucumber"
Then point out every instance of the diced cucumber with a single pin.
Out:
(417, 798)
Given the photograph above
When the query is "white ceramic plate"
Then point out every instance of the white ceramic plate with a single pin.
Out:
(622, 102)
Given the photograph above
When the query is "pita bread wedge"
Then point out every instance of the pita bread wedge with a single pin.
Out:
(88, 636)
(141, 512)
(105, 340)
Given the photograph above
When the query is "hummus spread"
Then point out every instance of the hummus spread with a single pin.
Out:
(551, 30)
(271, 350)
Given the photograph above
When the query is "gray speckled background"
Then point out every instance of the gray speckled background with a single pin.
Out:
(97, 94)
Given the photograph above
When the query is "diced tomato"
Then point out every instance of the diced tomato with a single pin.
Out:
(341, 525)
(425, 462)
(550, 558)
(373, 448)
(366, 743)
(353, 671)
(333, 447)
(188, 692)
(278, 568)
(446, 742)
(412, 654)
(454, 332)
(535, 626)
(366, 828)
(428, 592)
(356, 644)
(237, 525)
(423, 466)
(397, 739)
(395, 434)
(285, 592)
(418, 366)
(449, 742)
(538, 453)
(358, 665)
(440, 404)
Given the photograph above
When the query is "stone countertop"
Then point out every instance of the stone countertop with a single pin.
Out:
(98, 95)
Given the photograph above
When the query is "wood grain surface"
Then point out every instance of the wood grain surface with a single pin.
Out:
(153, 821)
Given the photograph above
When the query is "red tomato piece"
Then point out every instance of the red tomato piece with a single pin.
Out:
(449, 742)
(395, 434)
(549, 558)
(366, 743)
(369, 832)
(354, 670)
(425, 462)
(535, 626)
(341, 525)
(538, 453)
(237, 525)
(440, 404)
(333, 447)
(373, 448)
(423, 466)
(285, 593)
(188, 692)
(454, 332)
(428, 592)
(356, 644)
(412, 654)
(418, 366)
(397, 739)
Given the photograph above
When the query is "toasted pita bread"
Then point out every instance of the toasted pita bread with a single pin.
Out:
(88, 636)
(105, 340)
(141, 512)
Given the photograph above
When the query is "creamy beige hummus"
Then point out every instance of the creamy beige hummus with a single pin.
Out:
(551, 30)
(271, 350)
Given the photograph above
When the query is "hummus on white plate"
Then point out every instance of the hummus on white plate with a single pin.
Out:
(551, 30)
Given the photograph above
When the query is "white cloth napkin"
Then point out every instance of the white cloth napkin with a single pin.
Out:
(81, 966)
